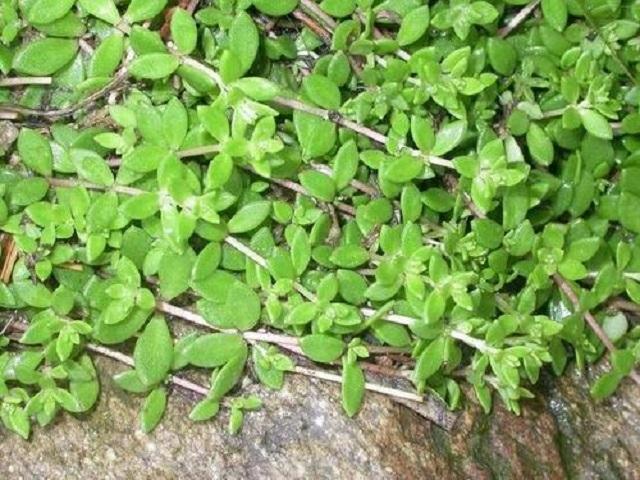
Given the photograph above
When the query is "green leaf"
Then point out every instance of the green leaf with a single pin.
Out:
(414, 25)
(215, 349)
(236, 419)
(430, 361)
(606, 385)
(628, 206)
(615, 326)
(220, 170)
(107, 56)
(144, 158)
(583, 249)
(302, 314)
(45, 56)
(316, 136)
(349, 256)
(141, 206)
(140, 10)
(322, 348)
(227, 377)
(338, 8)
(489, 234)
(244, 40)
(555, 13)
(572, 269)
(300, 251)
(270, 365)
(153, 353)
(596, 124)
(540, 145)
(318, 185)
(438, 200)
(392, 334)
(35, 152)
(153, 409)
(103, 9)
(91, 166)
(184, 31)
(249, 217)
(130, 381)
(154, 66)
(449, 137)
(47, 11)
(502, 56)
(345, 164)
(207, 261)
(204, 410)
(175, 123)
(33, 294)
(353, 383)
(633, 290)
(322, 91)
(434, 307)
(215, 121)
(422, 133)
(276, 8)
(258, 88)
(174, 273)
(229, 303)
(18, 421)
(403, 168)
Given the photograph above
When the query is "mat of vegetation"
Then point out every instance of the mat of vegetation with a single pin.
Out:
(378, 193)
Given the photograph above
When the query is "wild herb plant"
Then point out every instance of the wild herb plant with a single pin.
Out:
(442, 191)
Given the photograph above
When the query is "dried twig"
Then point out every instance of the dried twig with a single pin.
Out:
(518, 19)
(622, 304)
(9, 256)
(312, 25)
(313, 8)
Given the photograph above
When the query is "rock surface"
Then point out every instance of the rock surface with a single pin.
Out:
(302, 433)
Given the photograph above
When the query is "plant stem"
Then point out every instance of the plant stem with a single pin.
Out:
(476, 343)
(17, 81)
(340, 120)
(332, 377)
(198, 151)
(127, 360)
(69, 183)
(358, 185)
(196, 319)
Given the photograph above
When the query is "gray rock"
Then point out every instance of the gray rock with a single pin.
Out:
(301, 432)
(596, 440)
(8, 135)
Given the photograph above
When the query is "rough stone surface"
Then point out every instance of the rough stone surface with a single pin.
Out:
(596, 440)
(301, 433)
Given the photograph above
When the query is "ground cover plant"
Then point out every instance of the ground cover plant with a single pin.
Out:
(425, 199)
